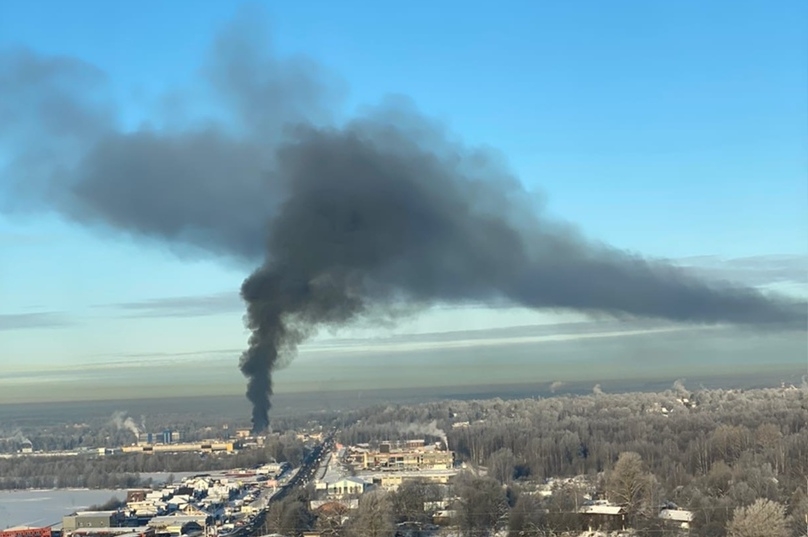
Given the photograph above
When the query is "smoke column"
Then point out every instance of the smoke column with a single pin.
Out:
(122, 421)
(345, 219)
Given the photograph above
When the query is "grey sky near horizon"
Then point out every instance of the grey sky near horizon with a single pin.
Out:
(444, 347)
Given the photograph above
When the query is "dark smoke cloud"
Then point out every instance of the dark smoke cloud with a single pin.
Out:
(348, 221)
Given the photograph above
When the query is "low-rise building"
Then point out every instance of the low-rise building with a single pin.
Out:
(204, 447)
(181, 524)
(113, 532)
(414, 455)
(26, 531)
(347, 486)
(91, 519)
(679, 518)
(603, 516)
(392, 480)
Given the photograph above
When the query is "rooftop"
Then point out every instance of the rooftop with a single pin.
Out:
(602, 510)
(676, 515)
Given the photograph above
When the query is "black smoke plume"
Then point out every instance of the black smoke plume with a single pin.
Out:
(347, 219)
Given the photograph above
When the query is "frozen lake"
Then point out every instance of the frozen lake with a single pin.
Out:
(46, 507)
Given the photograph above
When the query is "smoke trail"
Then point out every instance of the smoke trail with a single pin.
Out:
(430, 429)
(346, 220)
(19, 438)
(124, 422)
(679, 388)
(555, 386)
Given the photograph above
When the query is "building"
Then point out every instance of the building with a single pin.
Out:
(91, 519)
(26, 531)
(136, 495)
(164, 437)
(414, 455)
(177, 525)
(392, 480)
(603, 516)
(142, 531)
(677, 518)
(204, 447)
(347, 486)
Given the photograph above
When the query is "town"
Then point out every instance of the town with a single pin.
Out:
(237, 502)
(674, 463)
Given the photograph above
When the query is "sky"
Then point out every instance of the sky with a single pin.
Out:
(677, 130)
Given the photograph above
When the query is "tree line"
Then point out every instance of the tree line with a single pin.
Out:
(123, 470)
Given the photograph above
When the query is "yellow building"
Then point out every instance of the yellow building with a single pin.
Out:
(205, 446)
(405, 459)
(392, 480)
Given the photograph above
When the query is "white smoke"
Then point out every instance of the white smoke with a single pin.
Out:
(19, 438)
(122, 421)
(555, 386)
(430, 429)
(679, 388)
(597, 390)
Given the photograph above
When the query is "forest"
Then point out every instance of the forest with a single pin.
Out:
(714, 452)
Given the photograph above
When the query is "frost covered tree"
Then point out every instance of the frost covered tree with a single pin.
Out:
(629, 484)
(764, 518)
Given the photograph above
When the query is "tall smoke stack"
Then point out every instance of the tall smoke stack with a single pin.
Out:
(345, 221)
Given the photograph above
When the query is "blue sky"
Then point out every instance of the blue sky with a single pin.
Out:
(675, 129)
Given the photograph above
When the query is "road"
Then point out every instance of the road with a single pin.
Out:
(304, 475)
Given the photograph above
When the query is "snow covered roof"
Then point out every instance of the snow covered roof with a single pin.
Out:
(676, 515)
(602, 510)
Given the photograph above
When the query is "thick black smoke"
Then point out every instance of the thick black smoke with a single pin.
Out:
(347, 219)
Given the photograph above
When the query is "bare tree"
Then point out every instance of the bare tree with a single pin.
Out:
(482, 504)
(764, 518)
(408, 501)
(527, 518)
(374, 518)
(501, 465)
(799, 513)
(330, 519)
(289, 516)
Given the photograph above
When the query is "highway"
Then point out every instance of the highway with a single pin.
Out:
(304, 475)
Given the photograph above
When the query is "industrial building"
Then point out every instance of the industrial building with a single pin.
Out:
(91, 519)
(392, 480)
(163, 437)
(204, 446)
(412, 455)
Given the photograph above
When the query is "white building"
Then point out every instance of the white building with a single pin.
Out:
(678, 517)
(347, 486)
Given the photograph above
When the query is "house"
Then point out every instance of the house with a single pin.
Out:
(136, 495)
(603, 516)
(678, 518)
(444, 517)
